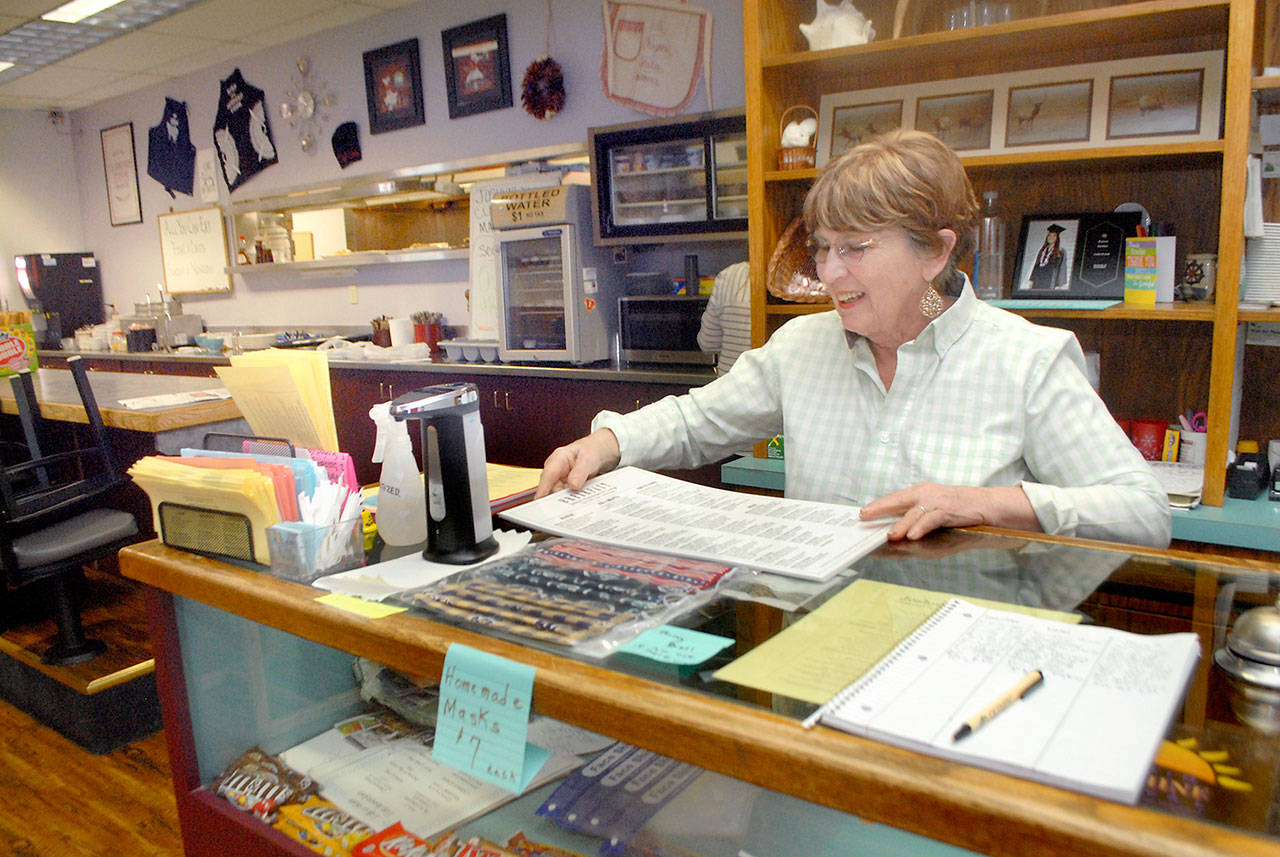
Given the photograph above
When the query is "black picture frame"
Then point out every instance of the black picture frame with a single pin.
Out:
(1091, 265)
(477, 66)
(120, 168)
(393, 87)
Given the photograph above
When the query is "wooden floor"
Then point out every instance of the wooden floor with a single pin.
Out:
(59, 800)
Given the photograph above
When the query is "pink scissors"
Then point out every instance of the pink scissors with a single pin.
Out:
(1198, 420)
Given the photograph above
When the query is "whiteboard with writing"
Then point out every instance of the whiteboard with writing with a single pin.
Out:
(193, 251)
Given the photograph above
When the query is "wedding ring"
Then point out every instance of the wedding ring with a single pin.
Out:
(922, 509)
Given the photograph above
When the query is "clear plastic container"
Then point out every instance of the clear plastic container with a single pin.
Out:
(988, 260)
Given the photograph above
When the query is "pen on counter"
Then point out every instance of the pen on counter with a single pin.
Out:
(1025, 685)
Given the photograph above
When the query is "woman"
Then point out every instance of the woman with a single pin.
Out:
(944, 411)
(1046, 270)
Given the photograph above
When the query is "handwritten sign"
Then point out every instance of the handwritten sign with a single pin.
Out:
(482, 721)
(193, 251)
(670, 645)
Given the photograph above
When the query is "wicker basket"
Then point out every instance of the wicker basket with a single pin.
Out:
(796, 157)
(792, 274)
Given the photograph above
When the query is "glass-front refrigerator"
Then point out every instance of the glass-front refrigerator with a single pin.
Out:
(558, 296)
(684, 178)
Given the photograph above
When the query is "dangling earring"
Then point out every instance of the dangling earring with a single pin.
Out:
(931, 303)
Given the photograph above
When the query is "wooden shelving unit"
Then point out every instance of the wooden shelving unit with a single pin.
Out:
(1194, 348)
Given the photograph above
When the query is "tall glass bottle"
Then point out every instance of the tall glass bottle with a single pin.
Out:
(988, 260)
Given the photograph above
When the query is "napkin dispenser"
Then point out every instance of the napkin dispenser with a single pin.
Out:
(459, 522)
(1248, 475)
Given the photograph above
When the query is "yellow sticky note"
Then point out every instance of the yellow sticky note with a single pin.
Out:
(368, 609)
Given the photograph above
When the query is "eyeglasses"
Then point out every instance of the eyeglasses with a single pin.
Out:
(848, 254)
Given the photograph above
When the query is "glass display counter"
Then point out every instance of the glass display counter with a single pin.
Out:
(245, 659)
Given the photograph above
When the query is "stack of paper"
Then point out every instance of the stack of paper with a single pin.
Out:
(634, 508)
(1103, 701)
(266, 489)
(242, 491)
(1181, 480)
(284, 394)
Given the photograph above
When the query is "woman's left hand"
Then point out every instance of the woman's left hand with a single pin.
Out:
(927, 506)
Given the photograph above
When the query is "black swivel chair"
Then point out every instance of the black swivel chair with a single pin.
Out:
(52, 521)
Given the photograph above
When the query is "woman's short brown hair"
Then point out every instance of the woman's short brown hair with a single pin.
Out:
(910, 180)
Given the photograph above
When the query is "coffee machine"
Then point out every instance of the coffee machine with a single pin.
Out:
(459, 522)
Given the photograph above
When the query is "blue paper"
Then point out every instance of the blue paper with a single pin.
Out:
(671, 645)
(482, 721)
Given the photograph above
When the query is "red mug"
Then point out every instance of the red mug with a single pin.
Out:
(1148, 437)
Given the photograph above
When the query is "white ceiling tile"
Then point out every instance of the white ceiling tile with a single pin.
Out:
(123, 86)
(136, 51)
(204, 35)
(212, 54)
(297, 28)
(15, 102)
(236, 20)
(28, 8)
(54, 81)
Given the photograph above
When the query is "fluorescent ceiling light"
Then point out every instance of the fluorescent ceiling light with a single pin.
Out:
(77, 10)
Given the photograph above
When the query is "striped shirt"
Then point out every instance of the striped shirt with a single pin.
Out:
(981, 397)
(726, 323)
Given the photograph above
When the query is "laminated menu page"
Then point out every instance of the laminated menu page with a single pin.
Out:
(1092, 722)
(648, 511)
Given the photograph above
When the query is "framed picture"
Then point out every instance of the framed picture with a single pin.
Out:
(962, 121)
(119, 164)
(1054, 113)
(477, 68)
(851, 125)
(1154, 105)
(1176, 98)
(393, 87)
(1073, 256)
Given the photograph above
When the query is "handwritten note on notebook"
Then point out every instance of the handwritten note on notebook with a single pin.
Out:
(1093, 724)
(835, 644)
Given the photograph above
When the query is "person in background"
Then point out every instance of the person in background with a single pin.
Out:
(941, 411)
(726, 322)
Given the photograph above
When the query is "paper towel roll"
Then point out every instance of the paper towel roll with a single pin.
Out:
(401, 331)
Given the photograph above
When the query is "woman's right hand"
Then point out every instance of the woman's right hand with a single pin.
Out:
(571, 466)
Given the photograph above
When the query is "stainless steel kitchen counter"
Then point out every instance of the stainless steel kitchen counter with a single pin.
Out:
(691, 376)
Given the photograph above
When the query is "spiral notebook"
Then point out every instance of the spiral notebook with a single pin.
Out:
(1093, 725)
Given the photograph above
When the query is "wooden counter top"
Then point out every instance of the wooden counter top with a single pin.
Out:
(941, 799)
(56, 392)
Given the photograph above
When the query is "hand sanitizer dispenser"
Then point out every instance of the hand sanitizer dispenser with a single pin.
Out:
(459, 522)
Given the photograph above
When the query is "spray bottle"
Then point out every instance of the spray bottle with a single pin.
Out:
(402, 517)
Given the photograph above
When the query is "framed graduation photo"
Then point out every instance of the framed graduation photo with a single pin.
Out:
(1073, 256)
(393, 87)
(477, 68)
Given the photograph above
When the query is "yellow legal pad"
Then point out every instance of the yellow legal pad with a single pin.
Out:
(822, 653)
